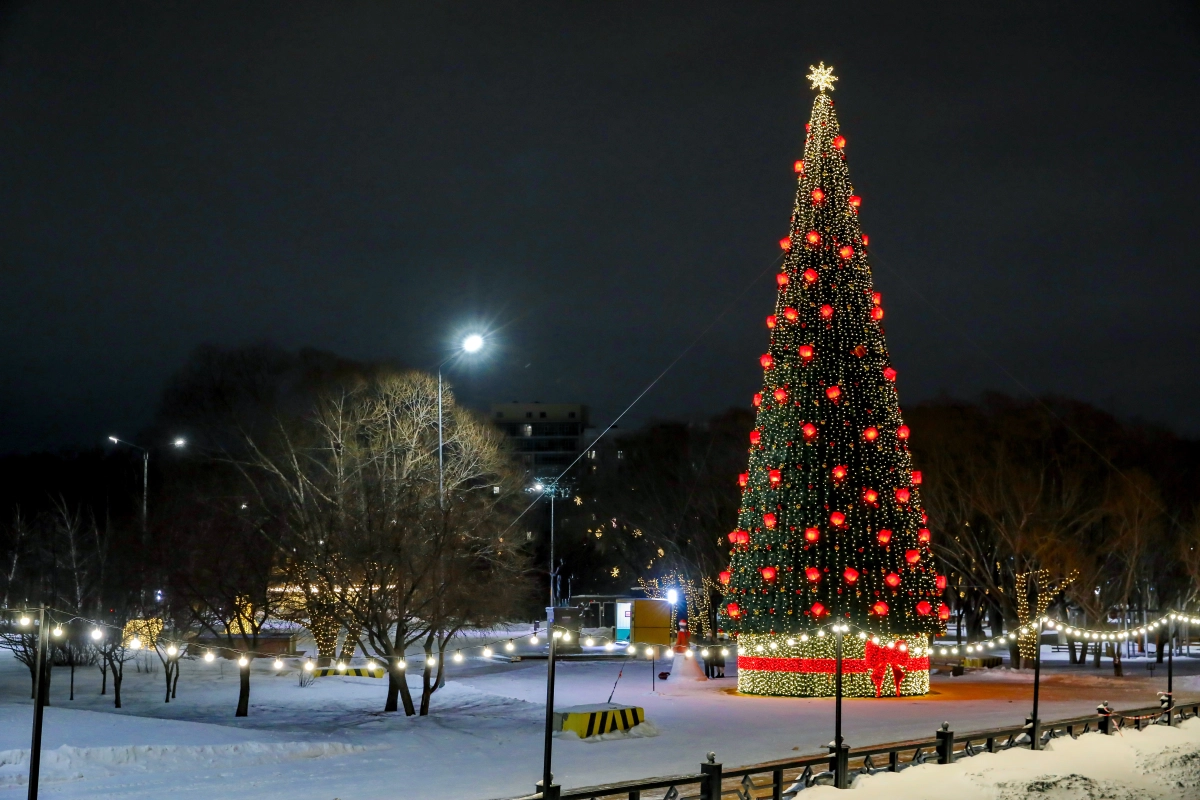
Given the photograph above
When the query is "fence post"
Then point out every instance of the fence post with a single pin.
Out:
(839, 762)
(551, 792)
(710, 789)
(1166, 704)
(1035, 733)
(1106, 719)
(945, 744)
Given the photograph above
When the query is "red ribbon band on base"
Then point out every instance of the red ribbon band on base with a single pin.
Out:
(879, 662)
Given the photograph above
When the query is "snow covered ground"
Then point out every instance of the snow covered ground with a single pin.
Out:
(484, 737)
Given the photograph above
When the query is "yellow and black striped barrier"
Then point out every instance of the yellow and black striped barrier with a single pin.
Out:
(351, 672)
(588, 721)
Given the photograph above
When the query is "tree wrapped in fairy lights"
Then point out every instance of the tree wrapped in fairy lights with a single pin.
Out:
(830, 528)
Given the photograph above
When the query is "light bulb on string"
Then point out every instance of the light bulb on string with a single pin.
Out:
(97, 634)
(509, 647)
(278, 664)
(308, 665)
(401, 664)
(432, 661)
(371, 665)
(135, 643)
(24, 622)
(458, 657)
(172, 650)
(487, 652)
(243, 661)
(209, 656)
(589, 642)
(58, 631)
(533, 639)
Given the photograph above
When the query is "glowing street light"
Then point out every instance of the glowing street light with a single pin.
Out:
(473, 343)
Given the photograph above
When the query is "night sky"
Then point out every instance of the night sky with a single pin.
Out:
(593, 184)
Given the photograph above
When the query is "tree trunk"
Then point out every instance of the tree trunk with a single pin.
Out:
(243, 706)
(1071, 651)
(167, 672)
(118, 676)
(1014, 653)
(103, 675)
(175, 683)
(72, 662)
(1159, 650)
(1118, 670)
(398, 690)
(1096, 654)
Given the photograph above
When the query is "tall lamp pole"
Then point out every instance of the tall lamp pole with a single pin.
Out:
(145, 475)
(471, 344)
(551, 487)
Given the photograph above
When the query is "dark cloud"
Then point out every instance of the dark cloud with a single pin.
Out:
(596, 183)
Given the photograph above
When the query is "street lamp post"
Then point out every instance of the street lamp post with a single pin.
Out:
(178, 442)
(550, 486)
(472, 344)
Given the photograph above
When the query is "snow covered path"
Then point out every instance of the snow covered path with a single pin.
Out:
(483, 740)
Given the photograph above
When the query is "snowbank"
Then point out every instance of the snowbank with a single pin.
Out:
(1158, 762)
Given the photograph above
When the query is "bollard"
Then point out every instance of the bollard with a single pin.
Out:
(1106, 719)
(945, 744)
(711, 788)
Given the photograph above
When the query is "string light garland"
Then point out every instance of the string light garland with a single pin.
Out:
(828, 529)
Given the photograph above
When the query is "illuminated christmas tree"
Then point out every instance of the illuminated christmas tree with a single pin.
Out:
(831, 528)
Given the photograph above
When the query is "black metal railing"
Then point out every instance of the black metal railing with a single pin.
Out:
(786, 778)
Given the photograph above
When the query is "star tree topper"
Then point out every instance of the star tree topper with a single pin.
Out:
(821, 76)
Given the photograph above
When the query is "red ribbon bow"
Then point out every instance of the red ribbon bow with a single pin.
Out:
(882, 659)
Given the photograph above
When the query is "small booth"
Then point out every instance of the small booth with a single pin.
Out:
(642, 620)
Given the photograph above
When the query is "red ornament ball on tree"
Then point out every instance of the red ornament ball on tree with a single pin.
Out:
(876, 298)
(755, 437)
(743, 479)
(864, 239)
(871, 433)
(799, 167)
(923, 608)
(846, 252)
(884, 536)
(902, 432)
(912, 556)
(767, 360)
(818, 196)
(806, 352)
(826, 311)
(923, 536)
(877, 313)
(902, 495)
(743, 537)
(769, 520)
(791, 314)
(892, 580)
(818, 610)
(735, 537)
(771, 322)
(768, 573)
(837, 519)
(724, 576)
(851, 575)
(756, 400)
(870, 496)
(855, 201)
(813, 238)
(813, 574)
(880, 608)
(839, 141)
(943, 612)
(809, 430)
(940, 582)
(785, 243)
(917, 478)
(811, 534)
(781, 395)
(782, 279)
(833, 393)
(810, 276)
(732, 610)
(839, 473)
(889, 373)
(775, 477)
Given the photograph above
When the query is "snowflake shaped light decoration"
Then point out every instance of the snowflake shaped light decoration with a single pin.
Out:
(821, 76)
